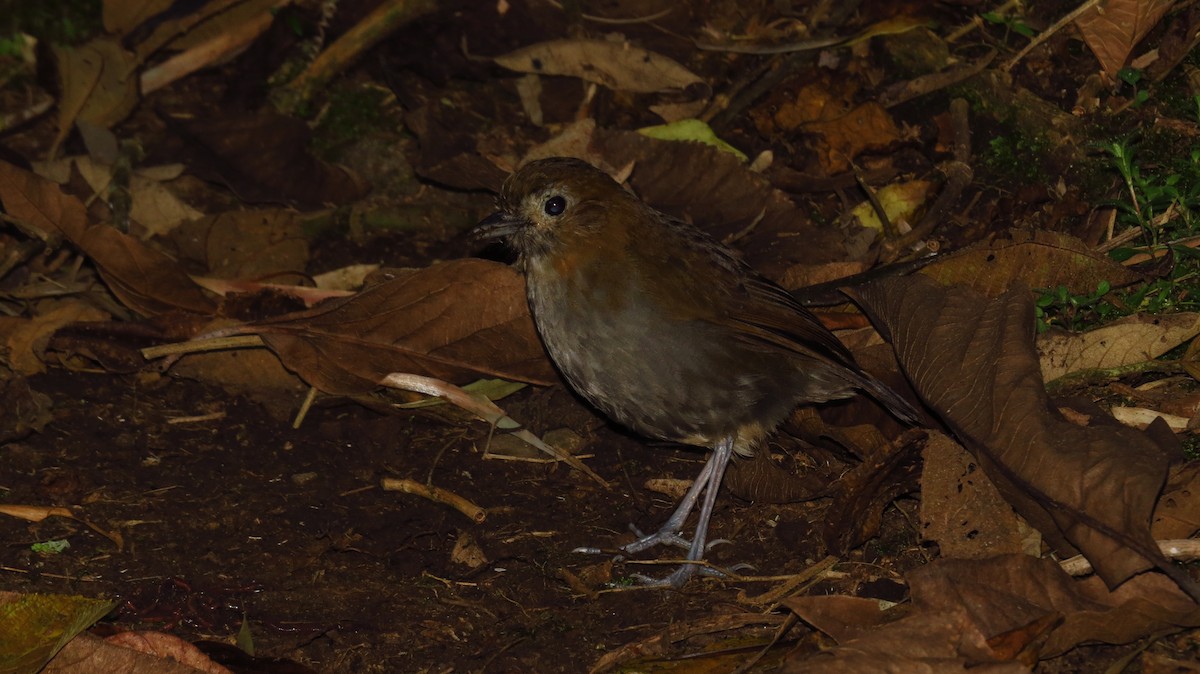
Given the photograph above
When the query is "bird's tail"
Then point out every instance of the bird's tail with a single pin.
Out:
(895, 403)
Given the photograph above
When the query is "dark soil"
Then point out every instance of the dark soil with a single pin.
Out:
(243, 518)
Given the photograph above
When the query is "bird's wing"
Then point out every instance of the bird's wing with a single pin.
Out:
(764, 311)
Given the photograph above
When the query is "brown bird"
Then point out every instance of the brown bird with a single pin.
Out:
(664, 329)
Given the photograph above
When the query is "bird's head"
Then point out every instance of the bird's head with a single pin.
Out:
(551, 206)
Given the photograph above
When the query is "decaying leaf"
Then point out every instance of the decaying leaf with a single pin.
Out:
(263, 158)
(961, 510)
(973, 363)
(1128, 340)
(22, 409)
(934, 643)
(25, 339)
(455, 321)
(144, 279)
(1113, 28)
(37, 626)
(257, 244)
(720, 194)
(1040, 259)
(900, 201)
(616, 65)
(693, 130)
(1007, 591)
(99, 84)
(1000, 614)
(1178, 512)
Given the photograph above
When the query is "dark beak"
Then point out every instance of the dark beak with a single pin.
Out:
(498, 225)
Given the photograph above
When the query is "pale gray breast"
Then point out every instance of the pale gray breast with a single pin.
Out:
(682, 381)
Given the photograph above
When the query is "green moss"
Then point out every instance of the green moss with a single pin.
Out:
(1016, 157)
(55, 21)
(1191, 447)
(352, 112)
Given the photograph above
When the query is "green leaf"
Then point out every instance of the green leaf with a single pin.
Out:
(691, 130)
(36, 626)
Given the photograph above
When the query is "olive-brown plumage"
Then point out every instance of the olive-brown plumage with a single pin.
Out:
(663, 328)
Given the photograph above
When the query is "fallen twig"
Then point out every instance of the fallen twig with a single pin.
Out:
(438, 495)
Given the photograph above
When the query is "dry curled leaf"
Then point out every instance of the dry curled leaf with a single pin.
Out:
(961, 510)
(1007, 591)
(616, 65)
(144, 279)
(1112, 29)
(973, 363)
(456, 321)
(1129, 340)
(263, 158)
(1040, 259)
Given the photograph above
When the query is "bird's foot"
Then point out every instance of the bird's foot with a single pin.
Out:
(647, 541)
(665, 536)
(686, 572)
(679, 577)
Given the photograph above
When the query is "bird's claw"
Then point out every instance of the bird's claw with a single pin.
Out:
(660, 537)
(679, 577)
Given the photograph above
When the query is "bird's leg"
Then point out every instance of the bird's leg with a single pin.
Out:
(668, 533)
(710, 480)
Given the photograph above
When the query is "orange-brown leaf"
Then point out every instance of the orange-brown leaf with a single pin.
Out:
(456, 321)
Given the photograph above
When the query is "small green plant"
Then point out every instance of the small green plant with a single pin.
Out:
(1163, 206)
(1012, 23)
(1132, 76)
(1060, 307)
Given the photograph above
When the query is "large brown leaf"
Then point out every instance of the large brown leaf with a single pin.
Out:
(144, 279)
(1041, 259)
(1008, 591)
(1113, 28)
(973, 362)
(998, 614)
(454, 321)
(263, 158)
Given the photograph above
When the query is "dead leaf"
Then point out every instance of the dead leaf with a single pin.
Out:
(972, 361)
(961, 510)
(263, 158)
(121, 17)
(455, 321)
(1113, 28)
(900, 202)
(99, 84)
(1125, 341)
(467, 552)
(1177, 514)
(22, 410)
(26, 338)
(1040, 259)
(975, 612)
(1006, 592)
(721, 195)
(616, 65)
(888, 642)
(862, 494)
(87, 654)
(155, 207)
(37, 626)
(259, 245)
(840, 140)
(144, 279)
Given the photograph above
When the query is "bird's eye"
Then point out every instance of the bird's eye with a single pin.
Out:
(555, 205)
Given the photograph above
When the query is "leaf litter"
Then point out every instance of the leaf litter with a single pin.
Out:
(1010, 476)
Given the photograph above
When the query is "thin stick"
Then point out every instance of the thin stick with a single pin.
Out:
(438, 495)
(1046, 34)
